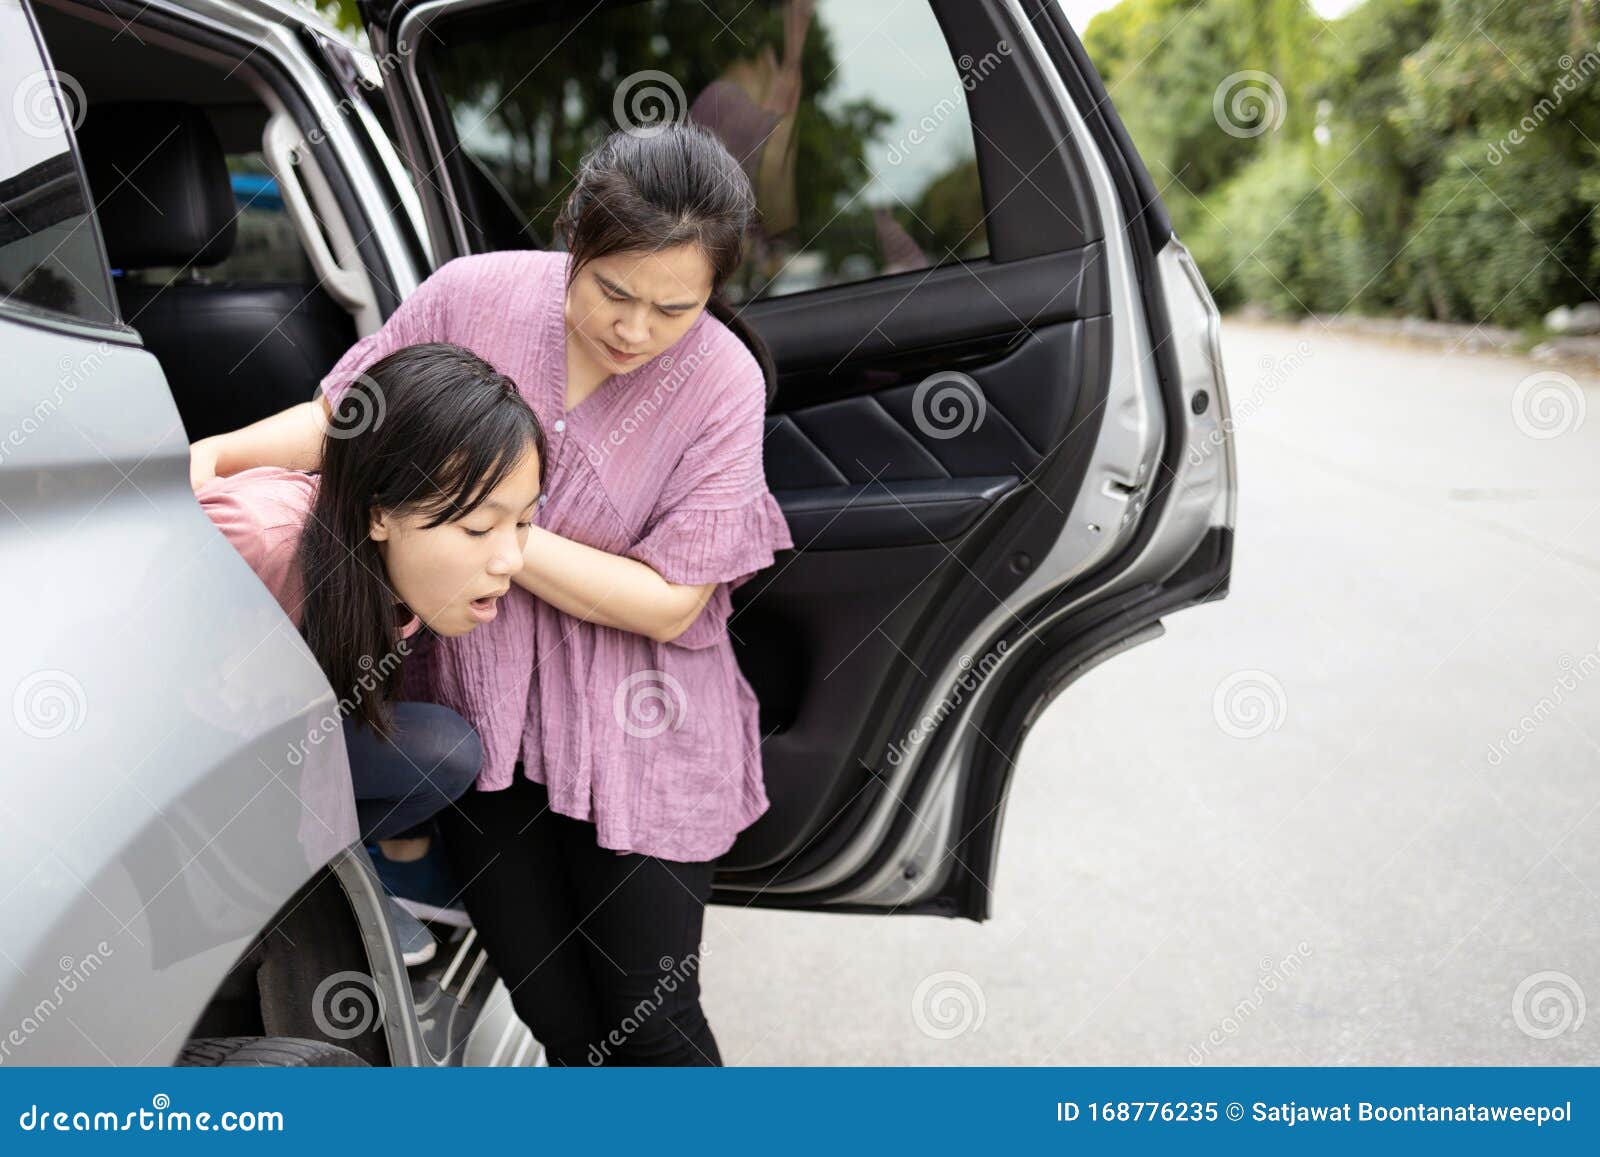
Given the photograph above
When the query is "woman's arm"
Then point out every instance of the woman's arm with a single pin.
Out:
(291, 438)
(608, 589)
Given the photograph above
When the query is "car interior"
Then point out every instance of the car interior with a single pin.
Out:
(211, 265)
(247, 276)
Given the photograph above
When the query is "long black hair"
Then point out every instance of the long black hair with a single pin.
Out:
(672, 186)
(430, 430)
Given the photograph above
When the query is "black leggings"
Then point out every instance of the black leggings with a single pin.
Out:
(601, 952)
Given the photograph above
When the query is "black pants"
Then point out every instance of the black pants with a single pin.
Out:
(601, 952)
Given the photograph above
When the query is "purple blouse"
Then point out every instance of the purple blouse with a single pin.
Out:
(656, 744)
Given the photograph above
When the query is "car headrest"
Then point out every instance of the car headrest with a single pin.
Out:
(160, 183)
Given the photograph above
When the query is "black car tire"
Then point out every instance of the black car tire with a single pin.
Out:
(266, 1052)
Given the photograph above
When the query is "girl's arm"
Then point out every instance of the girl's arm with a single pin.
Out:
(291, 438)
(608, 589)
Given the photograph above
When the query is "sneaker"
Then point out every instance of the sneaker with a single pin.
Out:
(423, 887)
(417, 945)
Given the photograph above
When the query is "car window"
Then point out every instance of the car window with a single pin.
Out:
(50, 256)
(849, 118)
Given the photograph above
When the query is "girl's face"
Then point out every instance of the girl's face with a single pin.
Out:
(451, 576)
(626, 308)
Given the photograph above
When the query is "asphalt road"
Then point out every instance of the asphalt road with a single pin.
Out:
(1284, 833)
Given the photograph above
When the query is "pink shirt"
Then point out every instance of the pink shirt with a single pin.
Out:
(656, 744)
(261, 512)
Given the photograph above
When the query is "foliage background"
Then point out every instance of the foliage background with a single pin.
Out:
(1393, 184)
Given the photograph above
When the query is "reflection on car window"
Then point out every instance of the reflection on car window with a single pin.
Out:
(850, 120)
(49, 256)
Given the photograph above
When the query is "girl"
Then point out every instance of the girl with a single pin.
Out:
(429, 476)
(621, 751)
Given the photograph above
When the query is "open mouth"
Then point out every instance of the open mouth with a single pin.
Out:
(486, 608)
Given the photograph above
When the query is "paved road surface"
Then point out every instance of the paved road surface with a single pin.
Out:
(1367, 881)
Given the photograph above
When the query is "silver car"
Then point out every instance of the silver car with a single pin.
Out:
(998, 429)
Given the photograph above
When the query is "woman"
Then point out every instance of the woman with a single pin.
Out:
(621, 750)
(430, 472)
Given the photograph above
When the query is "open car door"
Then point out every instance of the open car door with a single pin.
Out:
(999, 429)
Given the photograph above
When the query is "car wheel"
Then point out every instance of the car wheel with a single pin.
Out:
(266, 1052)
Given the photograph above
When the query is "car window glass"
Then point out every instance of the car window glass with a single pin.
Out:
(50, 258)
(850, 120)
